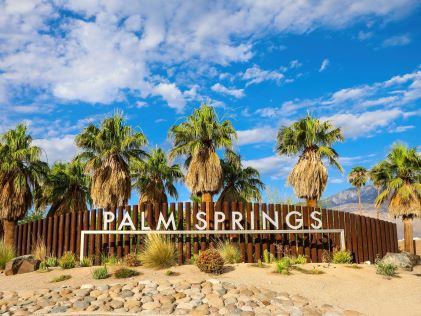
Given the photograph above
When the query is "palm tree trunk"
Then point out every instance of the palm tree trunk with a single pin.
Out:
(207, 198)
(9, 232)
(359, 200)
(407, 234)
(311, 202)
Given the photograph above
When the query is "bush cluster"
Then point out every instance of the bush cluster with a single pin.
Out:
(51, 262)
(284, 265)
(342, 257)
(124, 273)
(131, 260)
(7, 253)
(67, 261)
(100, 273)
(386, 269)
(210, 261)
(86, 262)
(229, 253)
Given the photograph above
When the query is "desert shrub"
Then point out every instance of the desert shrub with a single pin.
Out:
(284, 265)
(52, 262)
(268, 257)
(60, 278)
(100, 273)
(326, 257)
(300, 259)
(194, 257)
(131, 260)
(39, 251)
(386, 269)
(109, 260)
(169, 272)
(210, 261)
(7, 253)
(229, 252)
(124, 273)
(67, 260)
(85, 262)
(43, 267)
(158, 253)
(342, 257)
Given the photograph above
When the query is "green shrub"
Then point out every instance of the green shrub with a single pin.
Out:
(67, 261)
(124, 273)
(109, 260)
(85, 262)
(229, 252)
(7, 253)
(158, 253)
(43, 267)
(100, 273)
(342, 257)
(52, 262)
(300, 259)
(131, 260)
(169, 272)
(60, 278)
(39, 251)
(193, 258)
(210, 261)
(284, 265)
(268, 257)
(386, 269)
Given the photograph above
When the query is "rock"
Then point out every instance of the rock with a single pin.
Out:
(59, 309)
(214, 300)
(131, 303)
(403, 260)
(22, 264)
(126, 293)
(80, 305)
(151, 305)
(200, 310)
(87, 286)
(116, 304)
(351, 313)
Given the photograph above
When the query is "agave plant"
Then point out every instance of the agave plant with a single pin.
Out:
(358, 177)
(313, 140)
(107, 151)
(399, 177)
(154, 178)
(198, 139)
(21, 172)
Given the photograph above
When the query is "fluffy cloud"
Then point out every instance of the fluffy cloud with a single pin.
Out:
(100, 51)
(58, 148)
(256, 75)
(237, 93)
(256, 135)
(398, 40)
(274, 166)
(324, 64)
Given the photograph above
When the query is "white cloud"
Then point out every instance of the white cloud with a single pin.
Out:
(398, 40)
(336, 180)
(57, 148)
(295, 64)
(401, 129)
(255, 75)
(170, 93)
(324, 64)
(274, 166)
(256, 135)
(362, 36)
(237, 93)
(350, 94)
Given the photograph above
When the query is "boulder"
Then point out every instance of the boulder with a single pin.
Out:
(23, 264)
(403, 260)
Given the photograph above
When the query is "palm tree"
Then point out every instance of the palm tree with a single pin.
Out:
(240, 184)
(66, 190)
(107, 151)
(312, 139)
(358, 178)
(400, 177)
(155, 178)
(376, 175)
(21, 171)
(198, 139)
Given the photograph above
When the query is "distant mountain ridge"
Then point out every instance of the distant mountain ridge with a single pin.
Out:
(368, 196)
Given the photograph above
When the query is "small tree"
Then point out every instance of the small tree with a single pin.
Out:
(358, 177)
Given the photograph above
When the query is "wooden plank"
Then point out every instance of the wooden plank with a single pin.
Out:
(24, 238)
(336, 225)
(272, 247)
(50, 238)
(195, 237)
(233, 237)
(210, 221)
(364, 238)
(135, 239)
(353, 228)
(180, 236)
(249, 237)
(188, 227)
(73, 232)
(92, 226)
(119, 238)
(227, 222)
(293, 237)
(347, 231)
(126, 238)
(19, 241)
(28, 239)
(286, 238)
(314, 239)
(307, 238)
(172, 210)
(387, 235)
(257, 239)
(379, 239)
(67, 232)
(369, 239)
(242, 237)
(45, 232)
(60, 245)
(278, 237)
(85, 226)
(383, 236)
(112, 238)
(141, 239)
(79, 217)
(360, 238)
(395, 238)
(98, 245)
(39, 230)
(373, 238)
(203, 238)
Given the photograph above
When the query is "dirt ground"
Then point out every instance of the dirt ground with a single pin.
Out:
(357, 289)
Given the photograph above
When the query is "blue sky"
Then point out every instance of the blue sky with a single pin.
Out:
(65, 64)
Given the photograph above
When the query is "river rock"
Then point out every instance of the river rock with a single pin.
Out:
(403, 260)
(22, 264)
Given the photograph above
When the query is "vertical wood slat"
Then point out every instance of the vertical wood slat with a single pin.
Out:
(272, 249)
(112, 238)
(292, 237)
(265, 237)
(180, 236)
(331, 237)
(336, 226)
(257, 244)
(388, 234)
(348, 233)
(50, 249)
(60, 236)
(227, 221)
(373, 238)
(126, 238)
(364, 238)
(24, 238)
(19, 245)
(353, 230)
(44, 232)
(67, 232)
(233, 237)
(369, 240)
(188, 227)
(85, 226)
(243, 222)
(172, 210)
(278, 237)
(319, 243)
(28, 239)
(98, 245)
(395, 238)
(195, 237)
(135, 239)
(383, 236)
(299, 238)
(79, 219)
(39, 231)
(379, 239)
(211, 211)
(249, 237)
(119, 238)
(360, 238)
(203, 238)
(286, 238)
(307, 238)
(92, 238)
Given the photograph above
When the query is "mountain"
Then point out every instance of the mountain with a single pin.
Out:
(368, 196)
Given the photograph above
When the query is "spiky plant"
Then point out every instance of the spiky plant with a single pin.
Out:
(155, 177)
(313, 140)
(66, 190)
(399, 178)
(21, 172)
(358, 177)
(240, 183)
(107, 151)
(198, 139)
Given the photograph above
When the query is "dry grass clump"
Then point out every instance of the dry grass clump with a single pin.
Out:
(158, 253)
(7, 253)
(124, 273)
(60, 278)
(39, 251)
(229, 252)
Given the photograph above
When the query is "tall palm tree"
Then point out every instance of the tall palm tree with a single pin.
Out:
(376, 175)
(400, 177)
(240, 183)
(66, 189)
(358, 177)
(154, 178)
(21, 172)
(198, 139)
(313, 140)
(107, 151)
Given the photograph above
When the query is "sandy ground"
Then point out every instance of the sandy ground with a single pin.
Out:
(357, 289)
